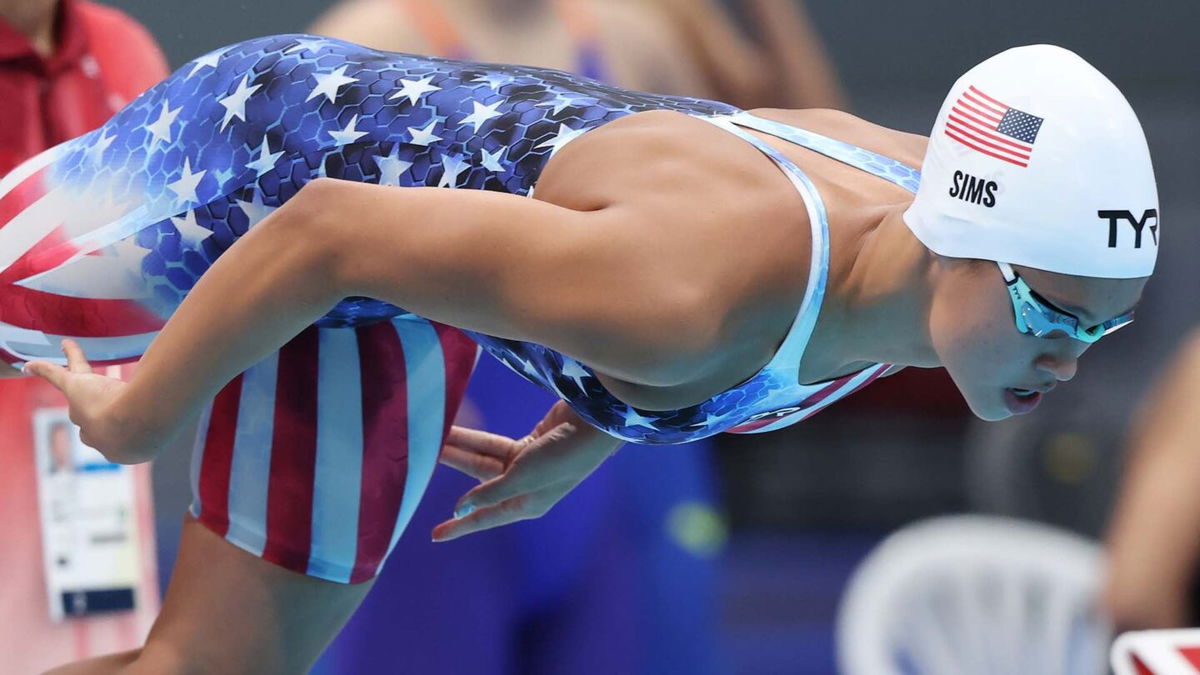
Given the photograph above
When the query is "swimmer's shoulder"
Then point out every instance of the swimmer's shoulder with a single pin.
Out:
(898, 145)
(667, 158)
(716, 212)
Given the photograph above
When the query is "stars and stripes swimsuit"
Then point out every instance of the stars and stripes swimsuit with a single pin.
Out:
(316, 457)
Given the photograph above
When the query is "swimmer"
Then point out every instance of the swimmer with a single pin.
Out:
(685, 268)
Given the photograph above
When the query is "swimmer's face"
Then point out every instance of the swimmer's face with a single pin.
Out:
(976, 338)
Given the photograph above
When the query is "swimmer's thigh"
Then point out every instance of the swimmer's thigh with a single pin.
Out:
(306, 470)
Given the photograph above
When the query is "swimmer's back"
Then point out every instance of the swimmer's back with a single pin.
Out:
(727, 223)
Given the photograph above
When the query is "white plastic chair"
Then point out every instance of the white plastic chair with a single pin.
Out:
(975, 595)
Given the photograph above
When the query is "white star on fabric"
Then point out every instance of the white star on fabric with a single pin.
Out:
(709, 420)
(424, 136)
(565, 135)
(189, 230)
(185, 187)
(414, 89)
(209, 60)
(96, 151)
(573, 370)
(255, 210)
(235, 103)
(452, 166)
(528, 367)
(391, 167)
(349, 134)
(160, 129)
(110, 273)
(482, 114)
(329, 83)
(562, 100)
(494, 80)
(305, 45)
(633, 419)
(491, 161)
(266, 159)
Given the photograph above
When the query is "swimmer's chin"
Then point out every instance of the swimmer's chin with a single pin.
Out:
(992, 413)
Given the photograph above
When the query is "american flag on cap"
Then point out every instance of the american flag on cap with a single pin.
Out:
(1157, 652)
(996, 129)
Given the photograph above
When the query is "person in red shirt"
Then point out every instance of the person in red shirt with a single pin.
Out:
(65, 67)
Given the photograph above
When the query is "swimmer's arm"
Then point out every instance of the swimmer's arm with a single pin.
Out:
(494, 263)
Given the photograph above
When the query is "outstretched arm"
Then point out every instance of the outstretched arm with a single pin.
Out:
(494, 263)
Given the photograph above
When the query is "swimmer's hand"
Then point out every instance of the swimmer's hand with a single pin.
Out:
(92, 400)
(521, 479)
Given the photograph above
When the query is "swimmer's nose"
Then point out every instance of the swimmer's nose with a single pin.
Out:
(1062, 368)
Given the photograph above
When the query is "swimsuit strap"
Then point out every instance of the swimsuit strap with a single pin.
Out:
(792, 349)
(871, 162)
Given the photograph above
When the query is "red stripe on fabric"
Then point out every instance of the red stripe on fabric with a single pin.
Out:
(60, 314)
(974, 137)
(883, 368)
(975, 91)
(828, 389)
(1192, 654)
(966, 119)
(982, 109)
(20, 197)
(964, 107)
(458, 353)
(979, 149)
(965, 123)
(753, 426)
(218, 458)
(293, 454)
(385, 443)
(77, 317)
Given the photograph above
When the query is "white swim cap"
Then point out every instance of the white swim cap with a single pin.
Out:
(1036, 159)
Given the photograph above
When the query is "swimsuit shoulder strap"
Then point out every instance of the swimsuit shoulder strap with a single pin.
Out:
(794, 344)
(871, 162)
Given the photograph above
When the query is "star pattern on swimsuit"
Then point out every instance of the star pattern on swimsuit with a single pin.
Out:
(294, 108)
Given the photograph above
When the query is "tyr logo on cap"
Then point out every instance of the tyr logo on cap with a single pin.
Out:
(1137, 224)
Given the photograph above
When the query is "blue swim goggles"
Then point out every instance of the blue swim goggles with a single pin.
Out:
(1038, 317)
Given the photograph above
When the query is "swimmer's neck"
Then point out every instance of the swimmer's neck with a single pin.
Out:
(877, 303)
(34, 19)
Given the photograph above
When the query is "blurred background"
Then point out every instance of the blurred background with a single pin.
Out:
(736, 555)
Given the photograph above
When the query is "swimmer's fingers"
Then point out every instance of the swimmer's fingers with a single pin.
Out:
(548, 468)
(478, 454)
(77, 364)
(483, 443)
(521, 507)
(476, 466)
(548, 459)
(52, 373)
(76, 360)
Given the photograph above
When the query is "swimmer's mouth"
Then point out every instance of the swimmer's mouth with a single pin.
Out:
(1019, 400)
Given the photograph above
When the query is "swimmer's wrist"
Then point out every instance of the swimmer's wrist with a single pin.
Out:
(142, 423)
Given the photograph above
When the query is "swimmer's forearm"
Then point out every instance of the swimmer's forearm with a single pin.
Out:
(259, 294)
